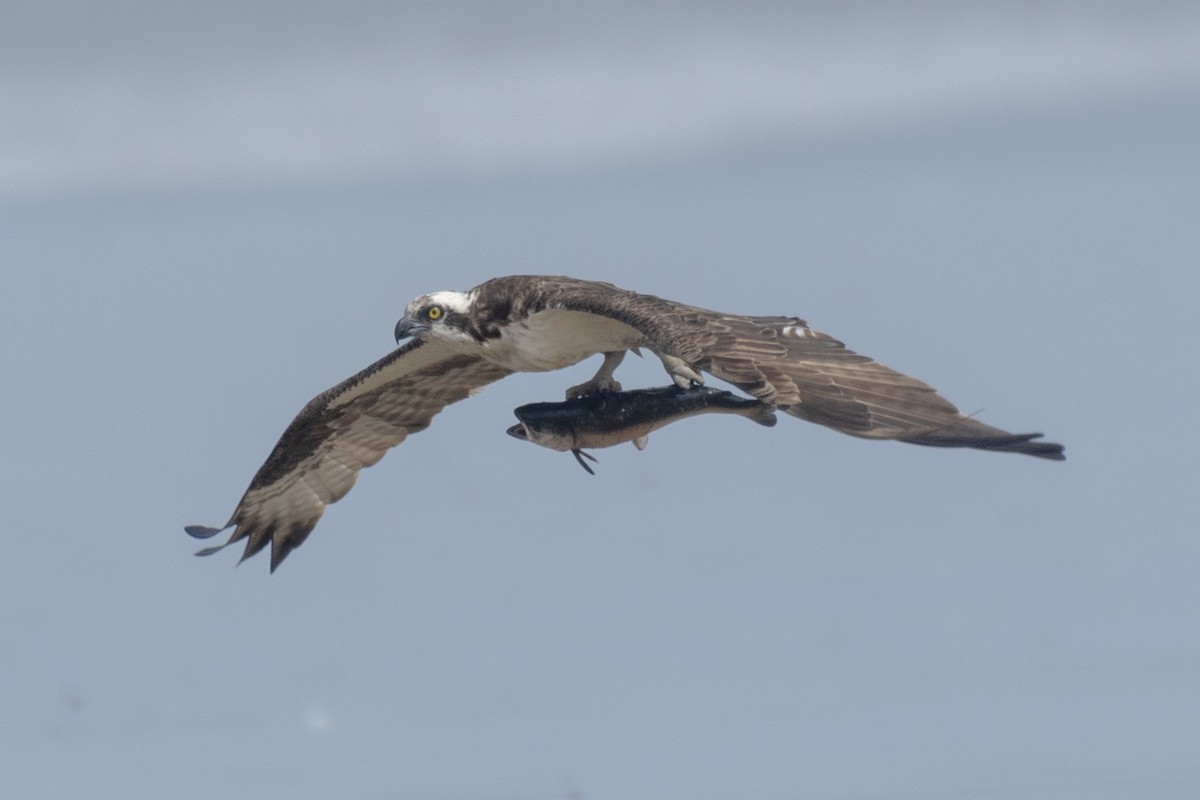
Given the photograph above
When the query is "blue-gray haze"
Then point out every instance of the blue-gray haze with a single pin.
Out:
(210, 214)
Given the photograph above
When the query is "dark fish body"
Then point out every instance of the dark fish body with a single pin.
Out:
(610, 418)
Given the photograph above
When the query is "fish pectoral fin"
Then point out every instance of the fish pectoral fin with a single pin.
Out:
(641, 442)
(580, 455)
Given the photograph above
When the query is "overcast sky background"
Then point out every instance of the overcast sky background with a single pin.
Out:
(210, 214)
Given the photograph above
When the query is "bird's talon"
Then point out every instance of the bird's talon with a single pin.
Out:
(593, 386)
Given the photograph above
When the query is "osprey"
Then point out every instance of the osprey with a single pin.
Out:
(459, 342)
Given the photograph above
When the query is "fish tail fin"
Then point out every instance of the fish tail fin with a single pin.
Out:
(763, 414)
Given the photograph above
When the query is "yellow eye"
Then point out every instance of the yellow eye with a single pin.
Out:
(434, 312)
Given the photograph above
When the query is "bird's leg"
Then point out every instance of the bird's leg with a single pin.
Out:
(680, 371)
(602, 381)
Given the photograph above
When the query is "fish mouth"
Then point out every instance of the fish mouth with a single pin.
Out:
(518, 432)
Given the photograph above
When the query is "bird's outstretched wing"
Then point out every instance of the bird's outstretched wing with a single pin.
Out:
(784, 362)
(339, 432)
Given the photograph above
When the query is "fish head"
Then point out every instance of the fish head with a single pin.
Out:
(541, 435)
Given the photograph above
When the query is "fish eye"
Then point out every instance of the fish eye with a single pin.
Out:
(434, 312)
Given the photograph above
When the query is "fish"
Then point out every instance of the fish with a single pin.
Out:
(605, 419)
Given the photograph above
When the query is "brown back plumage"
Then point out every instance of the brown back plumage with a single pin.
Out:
(782, 361)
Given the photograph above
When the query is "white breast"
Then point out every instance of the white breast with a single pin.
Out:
(555, 338)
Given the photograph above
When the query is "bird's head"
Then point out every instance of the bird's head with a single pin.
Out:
(442, 315)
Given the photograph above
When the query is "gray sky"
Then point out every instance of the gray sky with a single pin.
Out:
(137, 95)
(209, 216)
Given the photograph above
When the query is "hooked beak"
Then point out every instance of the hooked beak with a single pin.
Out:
(406, 327)
(518, 432)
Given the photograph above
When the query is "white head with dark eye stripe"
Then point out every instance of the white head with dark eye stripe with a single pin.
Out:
(440, 314)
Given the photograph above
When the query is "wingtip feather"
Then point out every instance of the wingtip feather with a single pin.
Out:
(202, 531)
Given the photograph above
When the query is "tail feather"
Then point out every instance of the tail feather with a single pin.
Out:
(968, 432)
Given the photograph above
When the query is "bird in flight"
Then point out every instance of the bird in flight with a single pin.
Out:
(459, 342)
